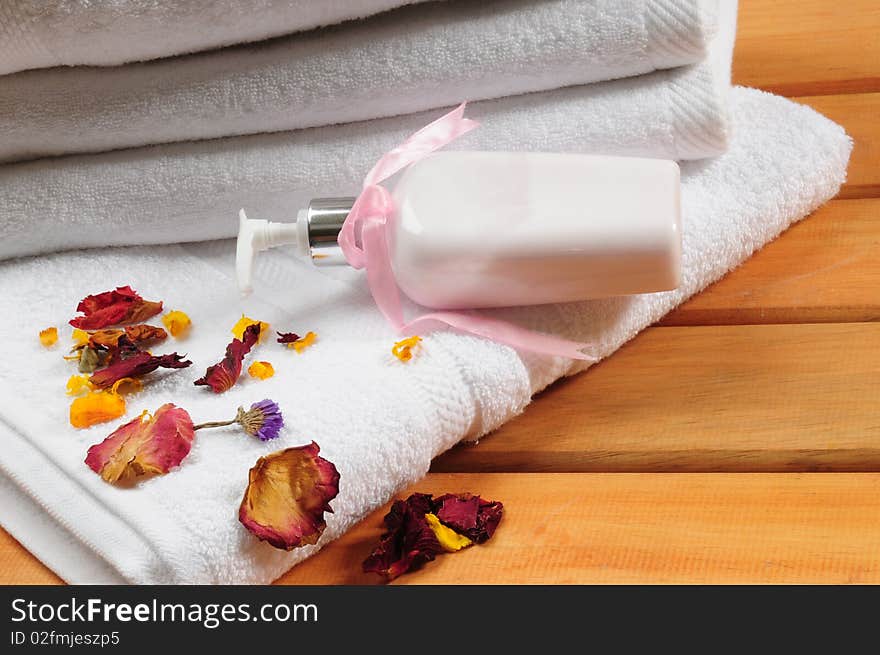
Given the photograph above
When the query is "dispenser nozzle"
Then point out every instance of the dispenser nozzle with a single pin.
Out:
(256, 235)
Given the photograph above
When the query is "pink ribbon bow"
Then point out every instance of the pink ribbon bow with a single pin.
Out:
(369, 218)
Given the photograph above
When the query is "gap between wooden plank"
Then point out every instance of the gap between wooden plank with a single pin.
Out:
(656, 528)
(824, 269)
(718, 398)
(858, 114)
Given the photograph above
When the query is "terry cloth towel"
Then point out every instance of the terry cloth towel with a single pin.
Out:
(193, 191)
(405, 61)
(379, 420)
(44, 33)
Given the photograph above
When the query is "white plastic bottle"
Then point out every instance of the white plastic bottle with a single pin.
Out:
(490, 229)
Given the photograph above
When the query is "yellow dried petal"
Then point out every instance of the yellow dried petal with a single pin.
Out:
(49, 336)
(78, 385)
(243, 323)
(126, 385)
(403, 350)
(177, 323)
(448, 538)
(80, 337)
(96, 407)
(301, 344)
(261, 370)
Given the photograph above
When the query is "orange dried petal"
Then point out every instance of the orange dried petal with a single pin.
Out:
(403, 349)
(261, 370)
(107, 338)
(126, 386)
(49, 336)
(177, 323)
(96, 407)
(301, 344)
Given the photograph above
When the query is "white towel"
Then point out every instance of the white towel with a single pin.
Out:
(41, 33)
(192, 191)
(401, 62)
(380, 421)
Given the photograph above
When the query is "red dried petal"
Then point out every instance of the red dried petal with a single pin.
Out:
(135, 366)
(287, 337)
(123, 305)
(155, 445)
(409, 541)
(221, 377)
(469, 515)
(287, 495)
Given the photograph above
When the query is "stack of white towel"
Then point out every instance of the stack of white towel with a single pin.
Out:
(105, 151)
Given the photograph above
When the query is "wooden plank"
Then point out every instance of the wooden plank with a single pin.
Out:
(718, 398)
(808, 47)
(824, 269)
(619, 528)
(858, 113)
(645, 528)
(19, 567)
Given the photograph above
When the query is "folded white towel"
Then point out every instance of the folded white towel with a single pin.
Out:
(192, 191)
(401, 62)
(41, 33)
(379, 420)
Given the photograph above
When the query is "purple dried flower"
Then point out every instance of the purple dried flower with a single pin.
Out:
(263, 420)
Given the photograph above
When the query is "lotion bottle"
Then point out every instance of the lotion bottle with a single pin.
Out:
(496, 229)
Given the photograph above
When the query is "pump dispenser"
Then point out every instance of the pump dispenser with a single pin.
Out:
(491, 229)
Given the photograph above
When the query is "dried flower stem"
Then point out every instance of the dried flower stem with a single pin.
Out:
(263, 420)
(214, 424)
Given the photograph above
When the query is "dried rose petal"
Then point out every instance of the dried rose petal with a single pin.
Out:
(145, 445)
(221, 377)
(122, 305)
(136, 366)
(421, 527)
(244, 322)
(287, 495)
(287, 337)
(409, 541)
(469, 515)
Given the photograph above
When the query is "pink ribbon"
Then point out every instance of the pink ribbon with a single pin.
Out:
(368, 218)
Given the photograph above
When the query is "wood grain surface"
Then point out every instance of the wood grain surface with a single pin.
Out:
(714, 528)
(686, 456)
(715, 398)
(808, 47)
